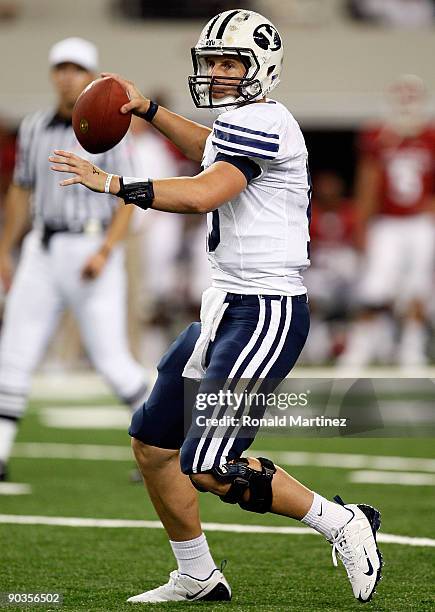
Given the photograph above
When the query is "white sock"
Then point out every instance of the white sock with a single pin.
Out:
(8, 430)
(193, 557)
(324, 515)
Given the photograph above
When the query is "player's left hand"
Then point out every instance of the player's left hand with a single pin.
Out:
(94, 266)
(85, 173)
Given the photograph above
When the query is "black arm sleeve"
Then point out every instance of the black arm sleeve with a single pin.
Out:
(246, 165)
(139, 193)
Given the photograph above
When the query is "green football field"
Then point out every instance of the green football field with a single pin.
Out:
(80, 469)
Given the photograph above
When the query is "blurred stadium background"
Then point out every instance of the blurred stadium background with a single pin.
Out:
(341, 56)
(72, 456)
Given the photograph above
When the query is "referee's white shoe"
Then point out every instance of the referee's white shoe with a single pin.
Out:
(355, 545)
(182, 587)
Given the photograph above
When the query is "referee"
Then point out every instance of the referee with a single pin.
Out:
(70, 258)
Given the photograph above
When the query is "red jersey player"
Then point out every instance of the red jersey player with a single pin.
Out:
(395, 197)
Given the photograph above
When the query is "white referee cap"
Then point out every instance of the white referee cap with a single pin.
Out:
(75, 50)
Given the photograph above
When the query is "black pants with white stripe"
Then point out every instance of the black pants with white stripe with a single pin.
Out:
(257, 344)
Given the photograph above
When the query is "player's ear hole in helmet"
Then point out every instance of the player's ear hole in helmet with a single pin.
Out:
(248, 37)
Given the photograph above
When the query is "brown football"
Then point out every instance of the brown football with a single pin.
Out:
(97, 120)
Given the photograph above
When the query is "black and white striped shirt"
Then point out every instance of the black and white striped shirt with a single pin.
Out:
(73, 207)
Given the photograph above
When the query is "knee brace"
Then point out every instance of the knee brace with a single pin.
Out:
(241, 477)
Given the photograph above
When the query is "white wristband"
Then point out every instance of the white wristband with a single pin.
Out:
(108, 181)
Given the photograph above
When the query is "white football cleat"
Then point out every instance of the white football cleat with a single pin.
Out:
(182, 587)
(355, 545)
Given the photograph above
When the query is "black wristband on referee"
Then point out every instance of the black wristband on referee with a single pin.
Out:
(149, 115)
(141, 193)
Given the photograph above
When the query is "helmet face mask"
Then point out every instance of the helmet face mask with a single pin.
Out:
(201, 84)
(247, 37)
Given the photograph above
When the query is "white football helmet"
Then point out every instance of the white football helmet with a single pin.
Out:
(251, 38)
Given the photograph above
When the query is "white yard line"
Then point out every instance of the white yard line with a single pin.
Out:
(351, 461)
(85, 417)
(72, 385)
(332, 460)
(14, 488)
(397, 478)
(88, 384)
(60, 521)
(97, 452)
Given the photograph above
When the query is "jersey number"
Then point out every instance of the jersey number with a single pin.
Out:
(214, 236)
(406, 179)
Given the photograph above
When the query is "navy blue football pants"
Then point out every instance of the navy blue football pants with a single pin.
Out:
(257, 344)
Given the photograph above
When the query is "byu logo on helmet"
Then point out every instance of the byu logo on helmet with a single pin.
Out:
(247, 37)
(267, 37)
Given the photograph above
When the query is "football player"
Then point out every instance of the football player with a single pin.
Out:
(255, 188)
(395, 190)
(72, 257)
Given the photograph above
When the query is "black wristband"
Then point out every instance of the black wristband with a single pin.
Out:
(149, 115)
(141, 194)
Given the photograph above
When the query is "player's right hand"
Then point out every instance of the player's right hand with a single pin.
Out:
(6, 270)
(85, 173)
(138, 104)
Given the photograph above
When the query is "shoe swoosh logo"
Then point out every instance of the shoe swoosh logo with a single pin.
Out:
(369, 564)
(196, 594)
(321, 511)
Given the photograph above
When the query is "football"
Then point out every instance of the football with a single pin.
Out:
(97, 120)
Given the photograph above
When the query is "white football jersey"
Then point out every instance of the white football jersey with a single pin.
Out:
(258, 243)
